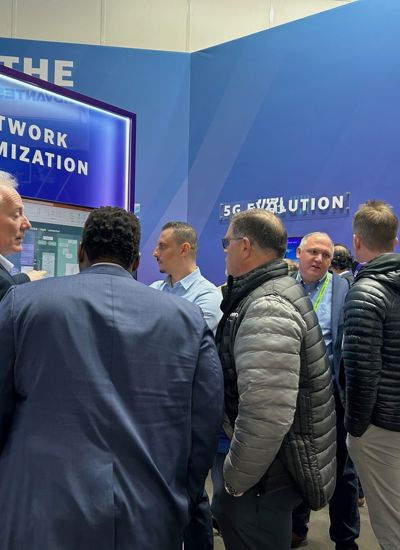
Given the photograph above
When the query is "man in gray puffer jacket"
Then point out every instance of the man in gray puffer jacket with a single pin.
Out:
(278, 392)
(372, 368)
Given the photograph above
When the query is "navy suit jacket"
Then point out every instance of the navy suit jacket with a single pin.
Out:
(7, 280)
(340, 288)
(111, 400)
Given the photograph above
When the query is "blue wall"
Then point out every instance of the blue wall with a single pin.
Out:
(310, 108)
(155, 86)
(307, 109)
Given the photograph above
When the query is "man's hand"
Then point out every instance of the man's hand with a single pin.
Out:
(35, 275)
(231, 491)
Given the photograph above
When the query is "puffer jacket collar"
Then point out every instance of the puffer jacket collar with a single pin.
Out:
(384, 268)
(240, 287)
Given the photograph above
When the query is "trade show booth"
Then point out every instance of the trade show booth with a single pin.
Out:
(302, 119)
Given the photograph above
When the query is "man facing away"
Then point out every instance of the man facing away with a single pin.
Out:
(176, 253)
(342, 262)
(327, 292)
(372, 366)
(111, 403)
(278, 391)
(13, 225)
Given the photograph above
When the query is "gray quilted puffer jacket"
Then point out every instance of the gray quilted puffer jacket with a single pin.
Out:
(278, 391)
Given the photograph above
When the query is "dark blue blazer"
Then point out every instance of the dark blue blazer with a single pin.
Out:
(340, 288)
(111, 399)
(7, 280)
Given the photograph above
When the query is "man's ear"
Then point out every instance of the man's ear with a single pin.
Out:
(81, 254)
(185, 249)
(136, 262)
(298, 250)
(82, 258)
(245, 247)
(356, 242)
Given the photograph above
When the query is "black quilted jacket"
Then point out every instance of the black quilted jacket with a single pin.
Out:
(372, 347)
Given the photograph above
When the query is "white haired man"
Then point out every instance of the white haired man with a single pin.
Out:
(13, 225)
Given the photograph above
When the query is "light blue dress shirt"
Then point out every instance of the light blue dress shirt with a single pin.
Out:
(323, 312)
(197, 289)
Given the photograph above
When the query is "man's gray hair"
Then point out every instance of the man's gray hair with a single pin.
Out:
(8, 180)
(262, 227)
(304, 240)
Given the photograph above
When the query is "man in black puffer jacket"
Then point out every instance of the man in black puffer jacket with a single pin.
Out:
(372, 367)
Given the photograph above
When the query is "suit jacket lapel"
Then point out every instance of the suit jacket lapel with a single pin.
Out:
(334, 311)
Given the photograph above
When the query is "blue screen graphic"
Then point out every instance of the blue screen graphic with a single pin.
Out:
(292, 245)
(63, 149)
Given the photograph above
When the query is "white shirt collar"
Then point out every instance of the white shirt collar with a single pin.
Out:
(109, 263)
(6, 263)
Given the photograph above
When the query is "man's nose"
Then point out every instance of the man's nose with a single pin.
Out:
(26, 224)
(155, 252)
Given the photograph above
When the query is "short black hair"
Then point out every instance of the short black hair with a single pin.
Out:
(262, 227)
(342, 257)
(112, 233)
(184, 233)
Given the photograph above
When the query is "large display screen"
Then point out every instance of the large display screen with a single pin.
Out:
(63, 146)
(53, 241)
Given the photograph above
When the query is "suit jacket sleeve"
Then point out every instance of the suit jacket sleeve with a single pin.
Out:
(7, 281)
(267, 358)
(21, 278)
(7, 358)
(207, 414)
(339, 292)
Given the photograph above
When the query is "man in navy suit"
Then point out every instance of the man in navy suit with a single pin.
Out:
(327, 292)
(13, 225)
(111, 399)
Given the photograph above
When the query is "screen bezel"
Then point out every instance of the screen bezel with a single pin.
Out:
(92, 102)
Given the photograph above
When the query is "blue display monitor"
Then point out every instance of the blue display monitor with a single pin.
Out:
(53, 241)
(63, 146)
(292, 246)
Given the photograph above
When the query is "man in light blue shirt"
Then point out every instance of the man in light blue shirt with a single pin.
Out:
(176, 253)
(327, 291)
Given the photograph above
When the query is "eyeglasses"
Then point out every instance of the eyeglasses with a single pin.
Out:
(225, 241)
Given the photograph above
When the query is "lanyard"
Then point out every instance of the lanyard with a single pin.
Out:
(321, 292)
